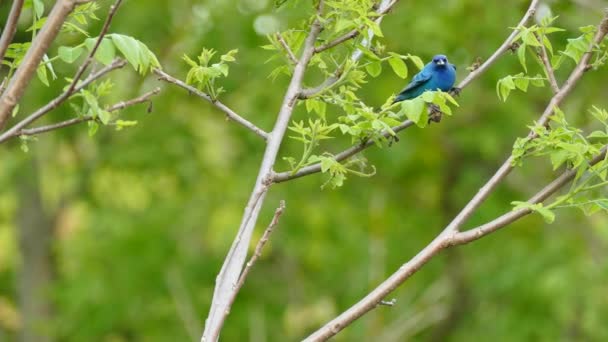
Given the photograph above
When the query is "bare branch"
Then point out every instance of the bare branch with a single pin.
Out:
(506, 45)
(16, 86)
(544, 57)
(512, 216)
(256, 254)
(163, 76)
(70, 122)
(10, 28)
(116, 64)
(233, 264)
(443, 240)
(285, 46)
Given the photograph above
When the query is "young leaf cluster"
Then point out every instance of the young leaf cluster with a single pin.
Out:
(203, 74)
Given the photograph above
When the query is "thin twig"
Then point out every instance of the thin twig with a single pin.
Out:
(382, 10)
(10, 28)
(310, 92)
(349, 152)
(256, 254)
(163, 76)
(544, 57)
(70, 122)
(116, 64)
(285, 46)
(443, 240)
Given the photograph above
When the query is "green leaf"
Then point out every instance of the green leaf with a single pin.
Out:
(38, 8)
(104, 116)
(415, 110)
(69, 54)
(15, 111)
(129, 48)
(417, 61)
(522, 83)
(398, 65)
(106, 52)
(547, 214)
(42, 75)
(521, 55)
(504, 87)
(374, 68)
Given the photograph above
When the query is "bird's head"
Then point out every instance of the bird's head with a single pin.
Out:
(440, 60)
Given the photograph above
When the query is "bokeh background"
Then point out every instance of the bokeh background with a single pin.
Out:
(141, 219)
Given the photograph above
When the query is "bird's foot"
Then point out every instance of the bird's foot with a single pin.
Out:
(434, 113)
(392, 139)
(455, 91)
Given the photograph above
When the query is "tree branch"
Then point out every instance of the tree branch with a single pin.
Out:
(163, 76)
(452, 230)
(290, 54)
(233, 264)
(544, 57)
(70, 122)
(20, 80)
(116, 64)
(349, 152)
(10, 28)
(512, 216)
(256, 254)
(310, 92)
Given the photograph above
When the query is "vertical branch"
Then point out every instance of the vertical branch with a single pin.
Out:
(10, 28)
(233, 264)
(18, 83)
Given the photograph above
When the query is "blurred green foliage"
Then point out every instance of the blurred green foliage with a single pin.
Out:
(145, 216)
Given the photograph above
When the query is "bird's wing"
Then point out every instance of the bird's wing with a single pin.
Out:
(421, 78)
(453, 66)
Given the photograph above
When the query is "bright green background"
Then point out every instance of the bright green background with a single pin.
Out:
(151, 211)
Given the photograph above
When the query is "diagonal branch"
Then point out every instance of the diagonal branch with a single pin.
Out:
(512, 216)
(256, 254)
(163, 76)
(70, 122)
(287, 175)
(285, 46)
(10, 28)
(544, 57)
(20, 80)
(116, 64)
(443, 240)
(383, 9)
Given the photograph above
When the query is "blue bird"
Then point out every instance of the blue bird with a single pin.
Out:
(438, 74)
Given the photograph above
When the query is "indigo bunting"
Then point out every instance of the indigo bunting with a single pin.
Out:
(438, 74)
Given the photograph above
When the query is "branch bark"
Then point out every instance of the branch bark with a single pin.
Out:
(163, 76)
(10, 28)
(20, 80)
(451, 235)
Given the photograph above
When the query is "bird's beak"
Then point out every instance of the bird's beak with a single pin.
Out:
(440, 62)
